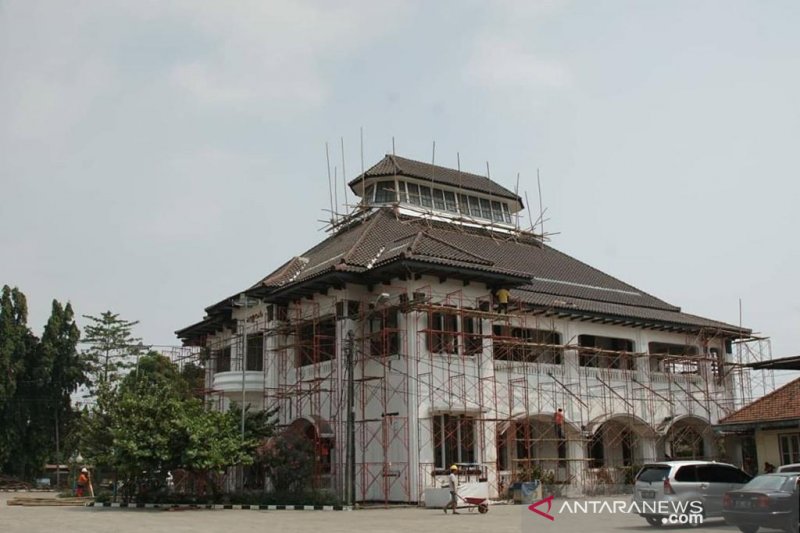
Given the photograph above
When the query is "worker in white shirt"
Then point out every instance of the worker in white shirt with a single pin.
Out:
(453, 483)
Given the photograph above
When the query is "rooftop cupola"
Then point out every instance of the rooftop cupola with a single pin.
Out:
(424, 188)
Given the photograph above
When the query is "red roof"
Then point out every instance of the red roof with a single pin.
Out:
(780, 404)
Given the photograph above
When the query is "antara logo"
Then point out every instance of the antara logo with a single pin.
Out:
(549, 502)
(673, 512)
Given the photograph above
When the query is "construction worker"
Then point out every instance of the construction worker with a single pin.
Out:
(558, 422)
(453, 484)
(502, 300)
(83, 482)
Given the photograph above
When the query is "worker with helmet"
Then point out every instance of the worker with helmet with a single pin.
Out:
(453, 483)
(83, 482)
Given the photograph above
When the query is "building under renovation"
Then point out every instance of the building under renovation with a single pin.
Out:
(408, 291)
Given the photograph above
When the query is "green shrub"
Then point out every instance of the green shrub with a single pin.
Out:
(103, 496)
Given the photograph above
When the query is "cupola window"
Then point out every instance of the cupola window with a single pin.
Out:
(385, 192)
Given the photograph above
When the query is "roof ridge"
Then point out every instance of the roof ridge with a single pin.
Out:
(795, 381)
(453, 246)
(412, 247)
(278, 272)
(364, 233)
(393, 159)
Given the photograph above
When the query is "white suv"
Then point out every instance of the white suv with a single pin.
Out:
(685, 487)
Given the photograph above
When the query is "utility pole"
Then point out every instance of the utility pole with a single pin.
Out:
(244, 357)
(58, 452)
(350, 477)
(244, 302)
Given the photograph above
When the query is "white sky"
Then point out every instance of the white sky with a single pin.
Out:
(156, 157)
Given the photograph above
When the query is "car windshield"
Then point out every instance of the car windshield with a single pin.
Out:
(767, 483)
(653, 473)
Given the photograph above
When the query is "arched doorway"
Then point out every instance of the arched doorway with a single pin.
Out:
(620, 440)
(688, 437)
(529, 448)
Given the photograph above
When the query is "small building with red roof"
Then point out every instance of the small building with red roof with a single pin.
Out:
(768, 429)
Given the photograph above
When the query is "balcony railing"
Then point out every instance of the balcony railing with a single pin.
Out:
(519, 367)
(232, 381)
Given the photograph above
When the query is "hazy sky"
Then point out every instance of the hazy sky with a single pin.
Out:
(156, 157)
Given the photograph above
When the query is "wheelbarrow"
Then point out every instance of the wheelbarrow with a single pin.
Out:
(472, 502)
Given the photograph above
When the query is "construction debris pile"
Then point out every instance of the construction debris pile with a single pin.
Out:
(10, 483)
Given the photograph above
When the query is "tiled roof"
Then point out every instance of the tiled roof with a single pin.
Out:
(393, 165)
(554, 279)
(780, 404)
(571, 305)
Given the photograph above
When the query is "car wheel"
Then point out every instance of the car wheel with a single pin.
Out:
(748, 529)
(654, 521)
(792, 527)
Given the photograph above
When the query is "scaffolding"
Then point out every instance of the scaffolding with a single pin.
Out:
(443, 378)
(621, 407)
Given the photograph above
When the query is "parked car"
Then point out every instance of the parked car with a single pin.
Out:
(684, 487)
(769, 500)
(794, 467)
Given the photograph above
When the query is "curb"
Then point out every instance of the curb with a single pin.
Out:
(242, 507)
(27, 490)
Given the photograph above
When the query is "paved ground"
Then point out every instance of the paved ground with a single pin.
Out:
(500, 519)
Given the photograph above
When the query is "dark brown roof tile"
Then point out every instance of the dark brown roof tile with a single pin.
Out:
(393, 165)
(556, 279)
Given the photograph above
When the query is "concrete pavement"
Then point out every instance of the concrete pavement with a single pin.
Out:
(500, 519)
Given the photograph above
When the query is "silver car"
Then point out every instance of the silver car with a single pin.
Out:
(684, 487)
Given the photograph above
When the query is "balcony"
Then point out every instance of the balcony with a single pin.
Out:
(316, 371)
(521, 367)
(232, 381)
(607, 374)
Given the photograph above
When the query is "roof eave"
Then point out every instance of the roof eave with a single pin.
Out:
(208, 326)
(752, 425)
(784, 363)
(612, 318)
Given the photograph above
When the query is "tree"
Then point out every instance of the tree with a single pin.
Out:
(147, 434)
(13, 344)
(59, 348)
(151, 423)
(9, 368)
(258, 424)
(21, 441)
(144, 397)
(154, 370)
(93, 435)
(195, 377)
(112, 349)
(289, 459)
(214, 443)
(36, 380)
